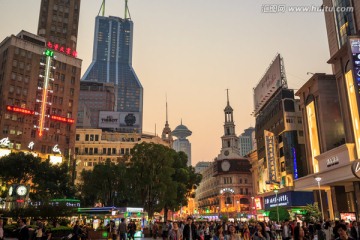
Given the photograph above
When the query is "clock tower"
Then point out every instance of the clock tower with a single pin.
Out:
(230, 142)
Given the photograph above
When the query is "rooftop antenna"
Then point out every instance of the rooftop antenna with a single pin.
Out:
(127, 10)
(166, 111)
(227, 94)
(102, 8)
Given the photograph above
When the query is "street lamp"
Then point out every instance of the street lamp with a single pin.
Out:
(238, 209)
(277, 205)
(318, 179)
(227, 211)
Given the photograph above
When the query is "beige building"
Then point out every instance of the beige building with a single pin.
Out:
(95, 146)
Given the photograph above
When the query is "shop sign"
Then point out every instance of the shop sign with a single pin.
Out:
(5, 142)
(56, 149)
(31, 145)
(258, 203)
(332, 161)
(227, 190)
(134, 209)
(270, 154)
(355, 168)
(288, 199)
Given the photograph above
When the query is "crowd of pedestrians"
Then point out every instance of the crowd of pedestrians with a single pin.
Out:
(286, 230)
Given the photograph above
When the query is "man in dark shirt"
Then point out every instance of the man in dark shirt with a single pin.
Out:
(23, 231)
(189, 232)
(122, 229)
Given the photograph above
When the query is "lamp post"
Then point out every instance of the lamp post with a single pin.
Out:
(318, 179)
(277, 205)
(238, 209)
(227, 211)
(218, 211)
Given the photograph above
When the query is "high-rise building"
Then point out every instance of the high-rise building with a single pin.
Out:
(38, 108)
(112, 62)
(201, 166)
(330, 107)
(59, 22)
(246, 141)
(96, 96)
(181, 143)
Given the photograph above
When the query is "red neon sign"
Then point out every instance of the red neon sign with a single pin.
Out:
(62, 119)
(62, 49)
(20, 110)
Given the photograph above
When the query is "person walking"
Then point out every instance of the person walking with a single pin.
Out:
(175, 232)
(122, 229)
(132, 229)
(355, 231)
(189, 232)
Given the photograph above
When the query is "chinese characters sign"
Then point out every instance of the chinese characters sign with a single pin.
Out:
(62, 49)
(270, 154)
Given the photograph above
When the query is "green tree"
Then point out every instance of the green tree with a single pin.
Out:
(46, 180)
(312, 213)
(283, 214)
(150, 169)
(184, 180)
(105, 183)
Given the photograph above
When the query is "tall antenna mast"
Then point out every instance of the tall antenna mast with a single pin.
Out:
(227, 94)
(127, 10)
(166, 111)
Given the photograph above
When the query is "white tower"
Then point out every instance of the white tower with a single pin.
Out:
(181, 143)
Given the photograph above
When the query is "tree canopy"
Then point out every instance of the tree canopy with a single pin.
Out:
(154, 177)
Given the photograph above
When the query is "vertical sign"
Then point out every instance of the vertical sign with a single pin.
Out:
(355, 52)
(270, 155)
(296, 176)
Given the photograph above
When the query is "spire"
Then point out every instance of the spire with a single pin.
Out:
(166, 111)
(227, 93)
(102, 8)
(181, 121)
(127, 10)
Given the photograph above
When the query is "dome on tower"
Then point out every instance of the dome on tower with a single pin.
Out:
(181, 131)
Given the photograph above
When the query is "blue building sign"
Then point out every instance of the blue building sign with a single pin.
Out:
(289, 199)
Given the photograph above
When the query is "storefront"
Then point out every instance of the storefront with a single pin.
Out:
(293, 201)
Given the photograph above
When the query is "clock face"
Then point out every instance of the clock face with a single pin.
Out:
(11, 189)
(225, 166)
(226, 153)
(21, 191)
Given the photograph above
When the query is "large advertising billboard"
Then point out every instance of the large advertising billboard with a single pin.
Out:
(289, 199)
(109, 119)
(268, 84)
(120, 120)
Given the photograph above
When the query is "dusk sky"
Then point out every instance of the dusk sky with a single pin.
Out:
(192, 50)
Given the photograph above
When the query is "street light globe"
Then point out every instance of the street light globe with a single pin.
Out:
(276, 190)
(318, 179)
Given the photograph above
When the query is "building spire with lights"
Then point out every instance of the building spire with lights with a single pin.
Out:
(166, 133)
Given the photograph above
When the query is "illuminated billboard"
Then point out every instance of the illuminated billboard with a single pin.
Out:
(268, 84)
(270, 155)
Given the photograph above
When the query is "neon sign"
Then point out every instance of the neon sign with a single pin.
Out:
(31, 145)
(62, 49)
(5, 142)
(62, 119)
(56, 149)
(19, 110)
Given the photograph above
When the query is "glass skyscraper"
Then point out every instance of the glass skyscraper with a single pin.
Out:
(112, 63)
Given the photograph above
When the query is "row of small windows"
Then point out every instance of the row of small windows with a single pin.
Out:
(88, 137)
(228, 180)
(105, 151)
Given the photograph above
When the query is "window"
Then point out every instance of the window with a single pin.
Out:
(241, 191)
(87, 137)
(114, 151)
(86, 150)
(240, 180)
(91, 137)
(77, 137)
(245, 180)
(96, 137)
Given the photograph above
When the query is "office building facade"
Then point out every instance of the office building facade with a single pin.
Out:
(30, 121)
(334, 152)
(246, 141)
(112, 63)
(181, 132)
